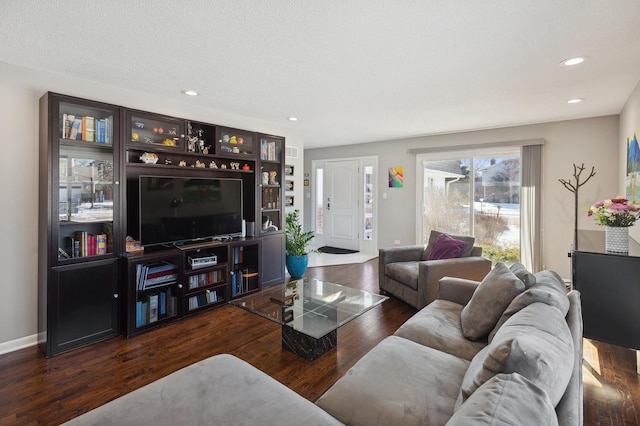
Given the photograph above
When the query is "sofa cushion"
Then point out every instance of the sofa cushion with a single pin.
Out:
(506, 399)
(437, 325)
(446, 247)
(489, 300)
(404, 272)
(536, 343)
(220, 390)
(525, 276)
(549, 288)
(433, 237)
(398, 382)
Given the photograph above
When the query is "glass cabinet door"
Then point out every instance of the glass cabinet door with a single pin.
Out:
(150, 131)
(271, 183)
(235, 143)
(86, 179)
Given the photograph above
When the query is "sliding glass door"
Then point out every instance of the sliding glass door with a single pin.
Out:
(477, 193)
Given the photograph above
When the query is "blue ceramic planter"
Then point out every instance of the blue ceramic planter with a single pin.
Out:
(297, 265)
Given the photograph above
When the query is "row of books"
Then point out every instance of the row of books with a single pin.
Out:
(241, 281)
(203, 299)
(156, 274)
(269, 151)
(238, 255)
(85, 128)
(205, 279)
(154, 306)
(85, 244)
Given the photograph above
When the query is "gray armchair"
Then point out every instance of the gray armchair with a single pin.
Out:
(405, 274)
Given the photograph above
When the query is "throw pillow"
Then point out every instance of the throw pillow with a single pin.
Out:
(446, 248)
(521, 272)
(506, 399)
(535, 343)
(489, 300)
(433, 237)
(548, 288)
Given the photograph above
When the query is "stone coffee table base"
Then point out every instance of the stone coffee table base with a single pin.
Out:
(305, 346)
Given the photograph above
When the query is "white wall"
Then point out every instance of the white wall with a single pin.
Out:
(629, 124)
(593, 142)
(21, 89)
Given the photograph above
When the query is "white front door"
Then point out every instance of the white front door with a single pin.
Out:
(341, 197)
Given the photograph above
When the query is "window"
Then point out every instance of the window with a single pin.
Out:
(477, 194)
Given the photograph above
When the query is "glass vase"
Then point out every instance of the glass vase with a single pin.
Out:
(616, 239)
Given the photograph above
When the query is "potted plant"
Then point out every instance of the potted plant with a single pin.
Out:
(296, 241)
(617, 215)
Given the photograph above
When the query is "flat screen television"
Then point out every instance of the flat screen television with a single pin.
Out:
(182, 209)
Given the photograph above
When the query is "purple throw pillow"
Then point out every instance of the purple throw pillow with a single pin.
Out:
(446, 248)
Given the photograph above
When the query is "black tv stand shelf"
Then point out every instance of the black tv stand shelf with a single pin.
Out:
(188, 289)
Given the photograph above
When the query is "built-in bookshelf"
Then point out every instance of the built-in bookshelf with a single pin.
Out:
(93, 157)
(206, 276)
(156, 293)
(79, 205)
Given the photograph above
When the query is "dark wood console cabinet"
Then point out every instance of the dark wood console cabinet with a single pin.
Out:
(610, 290)
(91, 157)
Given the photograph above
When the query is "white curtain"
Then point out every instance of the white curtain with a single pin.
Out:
(531, 181)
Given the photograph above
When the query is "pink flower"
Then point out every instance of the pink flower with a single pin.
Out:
(619, 200)
(599, 204)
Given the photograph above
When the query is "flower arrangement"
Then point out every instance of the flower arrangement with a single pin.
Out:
(616, 212)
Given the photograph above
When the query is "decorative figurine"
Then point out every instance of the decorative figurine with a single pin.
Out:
(149, 158)
(224, 166)
(200, 164)
(246, 167)
(272, 178)
(167, 161)
(225, 138)
(233, 140)
(182, 163)
(213, 165)
(240, 140)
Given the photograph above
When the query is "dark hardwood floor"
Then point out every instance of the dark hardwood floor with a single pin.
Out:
(35, 390)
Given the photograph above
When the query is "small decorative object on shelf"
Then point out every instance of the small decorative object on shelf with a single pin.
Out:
(149, 158)
(246, 167)
(617, 215)
(213, 165)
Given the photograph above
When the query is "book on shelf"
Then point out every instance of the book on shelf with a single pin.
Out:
(269, 150)
(76, 128)
(101, 244)
(153, 308)
(162, 303)
(88, 128)
(142, 313)
(155, 275)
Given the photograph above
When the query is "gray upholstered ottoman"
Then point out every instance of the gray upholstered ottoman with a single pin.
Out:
(221, 390)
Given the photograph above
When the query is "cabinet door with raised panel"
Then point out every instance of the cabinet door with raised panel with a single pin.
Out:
(84, 305)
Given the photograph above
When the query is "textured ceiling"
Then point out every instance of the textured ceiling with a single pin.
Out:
(352, 71)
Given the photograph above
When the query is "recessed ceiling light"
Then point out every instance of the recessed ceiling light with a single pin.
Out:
(292, 118)
(575, 100)
(190, 92)
(573, 61)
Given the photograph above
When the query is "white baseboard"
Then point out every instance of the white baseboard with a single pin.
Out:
(21, 343)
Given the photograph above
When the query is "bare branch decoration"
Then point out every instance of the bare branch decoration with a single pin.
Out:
(574, 187)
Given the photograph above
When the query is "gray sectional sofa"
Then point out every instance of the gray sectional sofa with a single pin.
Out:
(522, 367)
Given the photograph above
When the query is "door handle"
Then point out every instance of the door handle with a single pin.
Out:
(328, 204)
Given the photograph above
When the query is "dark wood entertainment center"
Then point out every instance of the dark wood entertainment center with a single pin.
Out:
(94, 281)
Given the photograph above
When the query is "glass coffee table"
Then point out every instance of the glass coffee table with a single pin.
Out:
(310, 312)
